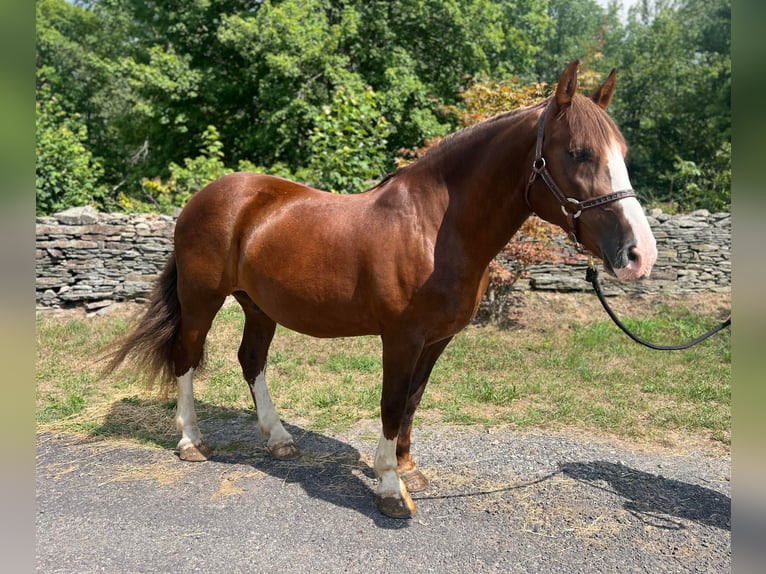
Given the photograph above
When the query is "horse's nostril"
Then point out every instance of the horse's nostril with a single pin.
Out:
(633, 255)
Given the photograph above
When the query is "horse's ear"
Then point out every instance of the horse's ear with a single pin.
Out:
(567, 86)
(603, 94)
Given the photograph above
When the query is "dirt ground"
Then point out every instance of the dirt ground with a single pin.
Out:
(547, 308)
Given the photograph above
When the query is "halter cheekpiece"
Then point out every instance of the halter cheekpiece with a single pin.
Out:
(571, 207)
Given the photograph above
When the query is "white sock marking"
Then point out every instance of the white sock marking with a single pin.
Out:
(186, 415)
(385, 468)
(268, 419)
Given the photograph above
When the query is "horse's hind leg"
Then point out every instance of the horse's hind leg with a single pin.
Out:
(188, 354)
(256, 339)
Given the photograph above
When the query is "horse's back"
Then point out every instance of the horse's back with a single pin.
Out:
(226, 197)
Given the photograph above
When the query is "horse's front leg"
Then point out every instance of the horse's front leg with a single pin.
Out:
(414, 480)
(399, 360)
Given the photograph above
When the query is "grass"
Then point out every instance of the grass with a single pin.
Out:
(559, 376)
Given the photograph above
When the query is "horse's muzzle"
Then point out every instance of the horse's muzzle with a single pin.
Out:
(631, 262)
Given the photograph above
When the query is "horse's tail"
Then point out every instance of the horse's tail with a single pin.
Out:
(151, 342)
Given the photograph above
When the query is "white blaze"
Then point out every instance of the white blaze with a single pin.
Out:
(646, 245)
(618, 171)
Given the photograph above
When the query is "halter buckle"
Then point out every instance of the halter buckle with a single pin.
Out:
(575, 212)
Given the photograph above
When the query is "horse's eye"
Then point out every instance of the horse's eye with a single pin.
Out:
(581, 155)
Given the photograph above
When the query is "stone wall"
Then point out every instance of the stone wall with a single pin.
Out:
(694, 254)
(91, 259)
(95, 259)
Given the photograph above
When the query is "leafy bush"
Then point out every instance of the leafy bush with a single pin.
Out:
(705, 186)
(66, 174)
(184, 180)
(348, 143)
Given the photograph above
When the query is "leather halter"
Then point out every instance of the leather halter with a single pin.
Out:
(570, 206)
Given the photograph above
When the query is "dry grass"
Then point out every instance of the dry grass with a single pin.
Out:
(229, 483)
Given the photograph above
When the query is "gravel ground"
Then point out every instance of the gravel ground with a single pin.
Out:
(500, 501)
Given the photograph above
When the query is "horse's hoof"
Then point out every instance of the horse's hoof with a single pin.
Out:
(194, 452)
(284, 451)
(396, 507)
(415, 481)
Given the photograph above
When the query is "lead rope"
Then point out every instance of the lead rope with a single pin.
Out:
(591, 275)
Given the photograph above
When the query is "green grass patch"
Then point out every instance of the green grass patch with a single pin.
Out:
(588, 377)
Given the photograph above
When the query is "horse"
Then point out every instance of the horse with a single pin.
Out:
(406, 260)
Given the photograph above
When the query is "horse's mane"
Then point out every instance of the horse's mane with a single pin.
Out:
(460, 137)
(588, 125)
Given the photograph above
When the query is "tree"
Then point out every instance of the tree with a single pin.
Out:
(66, 174)
(76, 50)
(150, 76)
(674, 102)
(184, 181)
(146, 78)
(577, 30)
(348, 143)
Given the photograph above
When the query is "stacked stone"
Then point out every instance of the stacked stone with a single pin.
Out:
(95, 259)
(693, 254)
(694, 249)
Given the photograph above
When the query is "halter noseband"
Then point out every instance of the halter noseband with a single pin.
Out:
(570, 206)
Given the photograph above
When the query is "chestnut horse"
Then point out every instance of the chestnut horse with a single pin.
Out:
(407, 260)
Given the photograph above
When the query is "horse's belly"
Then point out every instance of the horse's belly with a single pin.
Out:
(318, 306)
(320, 319)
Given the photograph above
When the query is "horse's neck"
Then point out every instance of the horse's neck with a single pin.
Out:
(484, 173)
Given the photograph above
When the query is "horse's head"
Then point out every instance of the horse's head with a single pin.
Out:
(579, 179)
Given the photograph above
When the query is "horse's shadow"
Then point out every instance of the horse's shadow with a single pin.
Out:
(328, 469)
(655, 499)
(335, 472)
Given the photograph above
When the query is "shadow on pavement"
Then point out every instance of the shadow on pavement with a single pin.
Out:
(328, 469)
(655, 499)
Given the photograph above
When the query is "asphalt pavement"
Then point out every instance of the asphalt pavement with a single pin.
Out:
(499, 501)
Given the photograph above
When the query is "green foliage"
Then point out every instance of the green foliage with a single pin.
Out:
(707, 186)
(66, 174)
(348, 143)
(674, 101)
(580, 29)
(144, 77)
(184, 180)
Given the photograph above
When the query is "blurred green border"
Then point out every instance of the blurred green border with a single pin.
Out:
(17, 299)
(749, 284)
